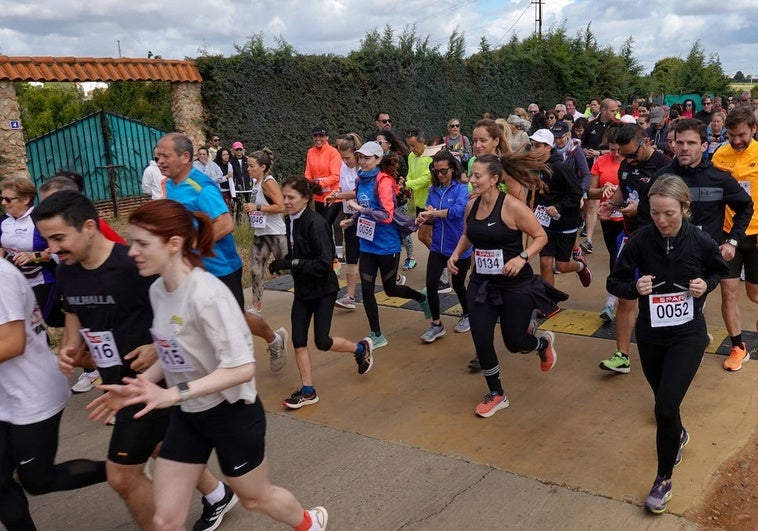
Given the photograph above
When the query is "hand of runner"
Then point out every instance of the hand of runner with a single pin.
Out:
(144, 356)
(451, 264)
(645, 284)
(104, 407)
(698, 287)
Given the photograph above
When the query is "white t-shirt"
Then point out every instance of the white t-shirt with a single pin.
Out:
(203, 319)
(274, 222)
(32, 389)
(348, 176)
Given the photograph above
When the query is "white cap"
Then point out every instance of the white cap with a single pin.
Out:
(371, 149)
(544, 136)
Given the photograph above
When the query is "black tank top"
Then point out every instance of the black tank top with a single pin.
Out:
(492, 233)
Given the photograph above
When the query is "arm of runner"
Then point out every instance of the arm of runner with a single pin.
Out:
(71, 352)
(12, 340)
(143, 357)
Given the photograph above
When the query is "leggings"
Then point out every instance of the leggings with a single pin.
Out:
(330, 214)
(514, 316)
(386, 264)
(320, 310)
(407, 241)
(264, 247)
(30, 450)
(611, 231)
(670, 369)
(434, 266)
(233, 281)
(352, 246)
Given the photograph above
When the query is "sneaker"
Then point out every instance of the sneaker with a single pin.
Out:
(444, 287)
(684, 438)
(491, 404)
(298, 399)
(435, 331)
(659, 495)
(532, 328)
(583, 234)
(548, 355)
(576, 252)
(378, 341)
(474, 365)
(619, 362)
(737, 357)
(607, 314)
(586, 246)
(319, 517)
(214, 513)
(86, 381)
(346, 302)
(277, 351)
(409, 264)
(425, 305)
(366, 360)
(463, 325)
(337, 266)
(585, 275)
(400, 280)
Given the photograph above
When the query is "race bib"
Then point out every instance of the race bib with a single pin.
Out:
(102, 347)
(489, 261)
(671, 309)
(365, 229)
(542, 216)
(171, 354)
(257, 220)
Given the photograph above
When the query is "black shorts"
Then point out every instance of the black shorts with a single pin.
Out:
(559, 246)
(134, 440)
(237, 432)
(746, 255)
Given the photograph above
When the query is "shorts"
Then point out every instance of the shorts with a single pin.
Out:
(559, 246)
(237, 432)
(746, 255)
(133, 441)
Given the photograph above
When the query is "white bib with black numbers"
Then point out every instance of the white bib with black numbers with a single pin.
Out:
(671, 309)
(257, 220)
(102, 347)
(489, 261)
(366, 228)
(171, 354)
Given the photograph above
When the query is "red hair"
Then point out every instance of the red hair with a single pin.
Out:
(166, 218)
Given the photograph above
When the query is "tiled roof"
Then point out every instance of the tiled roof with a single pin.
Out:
(96, 69)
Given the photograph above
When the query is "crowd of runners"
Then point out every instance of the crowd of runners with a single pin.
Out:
(161, 325)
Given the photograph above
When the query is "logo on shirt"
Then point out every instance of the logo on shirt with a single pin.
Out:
(177, 320)
(90, 300)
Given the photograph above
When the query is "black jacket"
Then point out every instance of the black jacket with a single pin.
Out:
(313, 247)
(563, 191)
(242, 180)
(689, 255)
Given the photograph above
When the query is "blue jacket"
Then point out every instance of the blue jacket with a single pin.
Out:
(376, 191)
(447, 231)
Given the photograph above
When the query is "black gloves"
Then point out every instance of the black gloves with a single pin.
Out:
(280, 265)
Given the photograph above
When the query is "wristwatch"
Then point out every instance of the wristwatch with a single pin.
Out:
(524, 255)
(37, 257)
(731, 241)
(257, 207)
(184, 390)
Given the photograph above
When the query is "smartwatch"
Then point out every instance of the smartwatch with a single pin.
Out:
(37, 257)
(732, 242)
(257, 207)
(184, 390)
(524, 255)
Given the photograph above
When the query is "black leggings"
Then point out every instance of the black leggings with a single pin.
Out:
(352, 245)
(320, 310)
(233, 281)
(330, 213)
(387, 265)
(611, 231)
(30, 450)
(514, 316)
(434, 266)
(670, 369)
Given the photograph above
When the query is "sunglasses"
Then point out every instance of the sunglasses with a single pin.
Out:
(707, 103)
(387, 121)
(5, 199)
(633, 156)
(215, 139)
(532, 112)
(442, 171)
(455, 125)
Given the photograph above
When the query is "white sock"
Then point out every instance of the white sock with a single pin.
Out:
(277, 339)
(581, 264)
(216, 495)
(610, 300)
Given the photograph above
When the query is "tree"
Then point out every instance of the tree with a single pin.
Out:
(45, 108)
(739, 77)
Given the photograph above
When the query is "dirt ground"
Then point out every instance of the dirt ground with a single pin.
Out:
(731, 502)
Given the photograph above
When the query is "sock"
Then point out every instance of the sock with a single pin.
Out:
(736, 340)
(610, 300)
(359, 349)
(307, 390)
(623, 353)
(277, 339)
(216, 495)
(306, 524)
(581, 266)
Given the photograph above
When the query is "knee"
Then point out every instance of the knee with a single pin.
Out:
(122, 480)
(166, 522)
(36, 485)
(323, 343)
(665, 413)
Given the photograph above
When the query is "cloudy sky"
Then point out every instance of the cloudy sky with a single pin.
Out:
(176, 29)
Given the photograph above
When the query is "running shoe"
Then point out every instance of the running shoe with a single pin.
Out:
(491, 404)
(366, 360)
(277, 351)
(346, 302)
(619, 362)
(425, 305)
(213, 513)
(607, 314)
(86, 381)
(684, 438)
(585, 275)
(548, 355)
(298, 399)
(444, 287)
(319, 517)
(586, 246)
(463, 324)
(409, 264)
(532, 328)
(576, 252)
(583, 234)
(434, 331)
(400, 280)
(378, 341)
(659, 495)
(737, 357)
(474, 365)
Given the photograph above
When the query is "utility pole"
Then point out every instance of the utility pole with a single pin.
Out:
(538, 17)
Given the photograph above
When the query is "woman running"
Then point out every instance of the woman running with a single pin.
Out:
(205, 350)
(669, 266)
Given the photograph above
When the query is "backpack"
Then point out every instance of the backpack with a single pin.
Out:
(405, 225)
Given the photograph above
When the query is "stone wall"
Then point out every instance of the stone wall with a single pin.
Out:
(188, 112)
(12, 147)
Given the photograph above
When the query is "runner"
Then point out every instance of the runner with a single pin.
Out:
(107, 307)
(316, 287)
(669, 267)
(206, 356)
(33, 394)
(502, 284)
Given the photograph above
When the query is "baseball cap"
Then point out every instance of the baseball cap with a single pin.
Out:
(544, 136)
(559, 129)
(319, 130)
(371, 149)
(628, 119)
(238, 145)
(656, 115)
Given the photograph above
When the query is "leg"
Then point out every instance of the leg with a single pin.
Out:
(352, 252)
(368, 267)
(388, 268)
(590, 217)
(459, 282)
(300, 316)
(730, 305)
(175, 482)
(259, 327)
(434, 266)
(483, 318)
(14, 507)
(260, 252)
(233, 281)
(131, 483)
(625, 317)
(546, 270)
